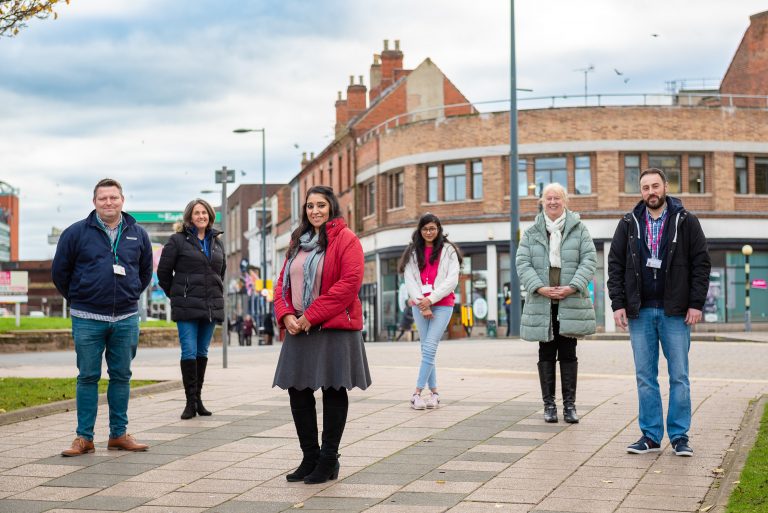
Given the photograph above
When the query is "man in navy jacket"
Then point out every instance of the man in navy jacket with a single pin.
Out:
(658, 277)
(102, 265)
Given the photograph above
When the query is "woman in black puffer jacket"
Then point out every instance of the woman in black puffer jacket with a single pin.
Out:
(191, 272)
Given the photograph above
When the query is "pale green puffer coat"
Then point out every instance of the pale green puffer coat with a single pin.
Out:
(579, 260)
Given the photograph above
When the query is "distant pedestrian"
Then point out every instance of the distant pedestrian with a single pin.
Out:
(268, 327)
(247, 329)
(406, 321)
(317, 303)
(430, 264)
(556, 261)
(191, 273)
(658, 277)
(102, 265)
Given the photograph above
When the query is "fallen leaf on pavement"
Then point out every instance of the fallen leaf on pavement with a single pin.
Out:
(298, 505)
(440, 481)
(607, 481)
(718, 470)
(707, 508)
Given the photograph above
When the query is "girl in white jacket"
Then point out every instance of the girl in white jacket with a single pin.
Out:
(430, 265)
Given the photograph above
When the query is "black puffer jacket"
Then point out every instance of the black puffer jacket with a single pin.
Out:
(687, 262)
(193, 281)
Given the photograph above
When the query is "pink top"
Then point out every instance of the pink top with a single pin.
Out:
(297, 280)
(428, 275)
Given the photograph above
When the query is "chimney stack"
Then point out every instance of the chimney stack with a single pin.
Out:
(391, 60)
(342, 113)
(356, 97)
(375, 77)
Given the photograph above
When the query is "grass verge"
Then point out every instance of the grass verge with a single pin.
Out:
(751, 493)
(17, 393)
(54, 323)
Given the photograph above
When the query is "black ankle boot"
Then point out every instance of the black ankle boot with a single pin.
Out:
(547, 380)
(568, 373)
(189, 378)
(202, 363)
(305, 420)
(327, 469)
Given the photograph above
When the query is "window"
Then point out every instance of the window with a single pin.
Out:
(582, 175)
(742, 183)
(477, 179)
(632, 173)
(295, 204)
(396, 181)
(550, 170)
(330, 174)
(761, 176)
(455, 182)
(432, 173)
(369, 190)
(670, 164)
(522, 178)
(696, 174)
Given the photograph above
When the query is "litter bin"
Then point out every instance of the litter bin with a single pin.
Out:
(490, 329)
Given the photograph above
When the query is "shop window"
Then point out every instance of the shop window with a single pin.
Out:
(632, 174)
(295, 205)
(455, 182)
(432, 177)
(696, 174)
(550, 170)
(477, 179)
(670, 164)
(741, 176)
(761, 176)
(582, 175)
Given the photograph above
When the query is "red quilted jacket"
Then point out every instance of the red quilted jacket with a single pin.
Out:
(338, 305)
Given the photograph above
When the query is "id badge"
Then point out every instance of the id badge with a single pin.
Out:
(118, 269)
(654, 263)
(426, 289)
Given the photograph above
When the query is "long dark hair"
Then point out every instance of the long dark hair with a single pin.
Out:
(305, 225)
(417, 244)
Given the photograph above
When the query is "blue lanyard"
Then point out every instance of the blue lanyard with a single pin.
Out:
(113, 245)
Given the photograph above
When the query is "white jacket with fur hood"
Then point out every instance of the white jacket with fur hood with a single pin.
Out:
(445, 282)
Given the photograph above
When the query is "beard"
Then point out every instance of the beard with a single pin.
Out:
(654, 202)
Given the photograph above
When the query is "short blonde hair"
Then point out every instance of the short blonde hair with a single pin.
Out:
(557, 188)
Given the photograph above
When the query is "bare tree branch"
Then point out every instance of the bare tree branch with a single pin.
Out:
(15, 13)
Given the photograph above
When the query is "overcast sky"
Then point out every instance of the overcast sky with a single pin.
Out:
(149, 91)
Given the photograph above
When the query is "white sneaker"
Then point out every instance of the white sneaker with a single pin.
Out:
(433, 401)
(417, 403)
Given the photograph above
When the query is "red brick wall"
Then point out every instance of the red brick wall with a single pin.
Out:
(749, 68)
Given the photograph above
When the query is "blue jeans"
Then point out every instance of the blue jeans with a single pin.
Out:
(430, 333)
(117, 341)
(195, 337)
(645, 333)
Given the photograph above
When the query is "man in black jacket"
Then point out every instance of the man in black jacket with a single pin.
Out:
(658, 276)
(102, 265)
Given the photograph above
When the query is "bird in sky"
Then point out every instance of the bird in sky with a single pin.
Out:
(618, 72)
(654, 35)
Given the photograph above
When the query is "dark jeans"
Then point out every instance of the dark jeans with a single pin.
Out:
(561, 348)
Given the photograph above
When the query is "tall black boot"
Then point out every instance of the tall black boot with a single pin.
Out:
(568, 373)
(334, 420)
(305, 420)
(202, 363)
(189, 378)
(547, 380)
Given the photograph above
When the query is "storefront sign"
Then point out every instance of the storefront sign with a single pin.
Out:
(759, 284)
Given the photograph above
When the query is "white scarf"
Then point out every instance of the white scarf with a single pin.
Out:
(555, 229)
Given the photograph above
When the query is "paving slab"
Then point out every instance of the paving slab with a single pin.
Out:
(486, 449)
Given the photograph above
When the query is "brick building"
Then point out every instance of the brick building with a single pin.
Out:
(9, 223)
(438, 154)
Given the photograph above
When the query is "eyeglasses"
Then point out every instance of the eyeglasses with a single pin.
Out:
(428, 229)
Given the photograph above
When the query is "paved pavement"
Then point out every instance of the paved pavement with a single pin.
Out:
(485, 450)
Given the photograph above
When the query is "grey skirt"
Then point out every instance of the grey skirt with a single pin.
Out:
(323, 359)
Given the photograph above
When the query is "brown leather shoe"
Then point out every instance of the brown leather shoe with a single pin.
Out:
(79, 447)
(125, 442)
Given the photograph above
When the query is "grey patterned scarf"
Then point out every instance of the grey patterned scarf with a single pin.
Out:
(307, 242)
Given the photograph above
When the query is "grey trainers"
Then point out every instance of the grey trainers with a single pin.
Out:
(433, 401)
(417, 403)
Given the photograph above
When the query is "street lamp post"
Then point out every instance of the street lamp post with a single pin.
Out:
(224, 176)
(514, 200)
(263, 197)
(746, 250)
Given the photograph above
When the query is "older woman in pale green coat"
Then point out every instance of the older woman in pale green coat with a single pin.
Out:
(556, 261)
